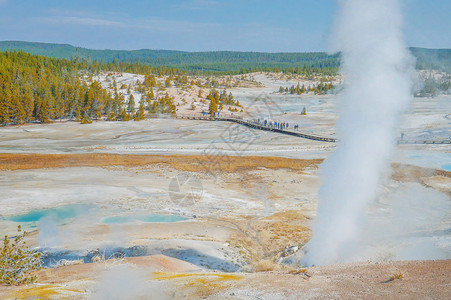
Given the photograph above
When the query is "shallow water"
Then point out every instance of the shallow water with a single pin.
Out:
(426, 159)
(68, 212)
(59, 213)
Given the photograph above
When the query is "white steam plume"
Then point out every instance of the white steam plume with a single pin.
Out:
(377, 67)
(49, 235)
(129, 282)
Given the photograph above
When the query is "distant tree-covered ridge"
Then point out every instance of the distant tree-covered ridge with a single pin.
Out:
(434, 84)
(210, 62)
(220, 61)
(432, 59)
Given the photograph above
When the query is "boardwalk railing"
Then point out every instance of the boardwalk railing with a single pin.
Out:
(260, 126)
(428, 142)
(257, 125)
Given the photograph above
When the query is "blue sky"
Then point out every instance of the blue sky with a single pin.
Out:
(197, 25)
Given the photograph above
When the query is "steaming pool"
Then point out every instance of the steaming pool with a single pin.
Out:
(66, 213)
(59, 213)
(426, 159)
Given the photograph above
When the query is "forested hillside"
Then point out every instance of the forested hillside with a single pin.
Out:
(39, 88)
(433, 59)
(42, 88)
(220, 61)
(206, 62)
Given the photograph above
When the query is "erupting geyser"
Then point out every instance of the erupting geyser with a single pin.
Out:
(377, 67)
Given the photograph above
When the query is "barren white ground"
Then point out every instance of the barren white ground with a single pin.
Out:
(229, 203)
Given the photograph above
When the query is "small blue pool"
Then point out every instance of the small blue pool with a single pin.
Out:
(65, 213)
(447, 167)
(152, 218)
(59, 213)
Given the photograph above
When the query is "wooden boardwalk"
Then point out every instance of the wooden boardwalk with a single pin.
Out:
(256, 125)
(429, 142)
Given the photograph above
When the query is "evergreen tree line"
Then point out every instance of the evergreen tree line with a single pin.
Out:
(163, 105)
(39, 88)
(319, 89)
(217, 101)
(215, 62)
(433, 87)
(323, 68)
(176, 62)
(165, 57)
(118, 108)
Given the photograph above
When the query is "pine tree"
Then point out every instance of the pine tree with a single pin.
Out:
(140, 113)
(167, 82)
(150, 97)
(131, 104)
(42, 110)
(19, 115)
(213, 108)
(7, 110)
(143, 100)
(4, 118)
(303, 89)
(28, 104)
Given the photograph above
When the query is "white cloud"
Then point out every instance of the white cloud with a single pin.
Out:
(81, 21)
(177, 34)
(155, 24)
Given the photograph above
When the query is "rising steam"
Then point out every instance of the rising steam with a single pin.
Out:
(378, 70)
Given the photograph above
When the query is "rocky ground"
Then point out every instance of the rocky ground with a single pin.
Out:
(161, 277)
(248, 205)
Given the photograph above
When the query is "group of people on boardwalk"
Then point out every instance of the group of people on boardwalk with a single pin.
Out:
(266, 123)
(275, 124)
